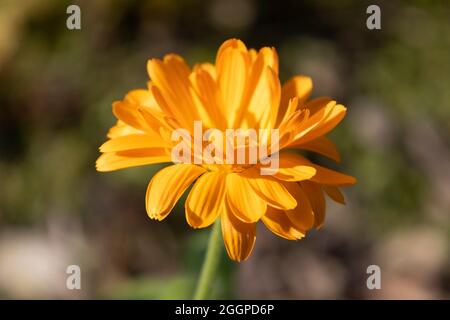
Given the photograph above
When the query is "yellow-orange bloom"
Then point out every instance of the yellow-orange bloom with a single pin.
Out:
(242, 90)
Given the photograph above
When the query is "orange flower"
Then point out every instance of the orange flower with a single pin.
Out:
(242, 90)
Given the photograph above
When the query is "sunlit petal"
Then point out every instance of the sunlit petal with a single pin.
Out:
(239, 237)
(167, 186)
(205, 200)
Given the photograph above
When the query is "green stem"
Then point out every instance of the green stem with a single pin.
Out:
(210, 263)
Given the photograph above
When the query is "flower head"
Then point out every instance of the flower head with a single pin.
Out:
(241, 90)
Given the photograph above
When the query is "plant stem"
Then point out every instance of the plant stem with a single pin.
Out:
(210, 263)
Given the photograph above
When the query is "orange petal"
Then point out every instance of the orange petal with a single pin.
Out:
(316, 104)
(243, 200)
(321, 145)
(292, 124)
(270, 57)
(142, 98)
(239, 237)
(279, 223)
(131, 158)
(262, 95)
(121, 129)
(207, 67)
(205, 200)
(317, 201)
(210, 96)
(294, 167)
(129, 114)
(332, 120)
(230, 43)
(298, 86)
(269, 189)
(156, 121)
(231, 77)
(301, 216)
(322, 175)
(133, 141)
(334, 193)
(167, 186)
(331, 177)
(285, 112)
(127, 110)
(321, 123)
(171, 77)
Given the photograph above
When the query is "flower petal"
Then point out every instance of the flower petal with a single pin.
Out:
(174, 92)
(129, 114)
(205, 200)
(262, 94)
(321, 145)
(322, 175)
(270, 57)
(332, 120)
(291, 124)
(279, 223)
(285, 112)
(317, 201)
(269, 189)
(243, 200)
(121, 129)
(156, 121)
(298, 86)
(209, 95)
(293, 167)
(334, 193)
(142, 98)
(330, 177)
(231, 77)
(127, 109)
(320, 123)
(131, 158)
(230, 43)
(133, 141)
(239, 237)
(316, 104)
(167, 186)
(301, 216)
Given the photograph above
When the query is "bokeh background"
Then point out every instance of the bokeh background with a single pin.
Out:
(56, 89)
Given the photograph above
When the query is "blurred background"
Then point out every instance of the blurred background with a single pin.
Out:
(56, 90)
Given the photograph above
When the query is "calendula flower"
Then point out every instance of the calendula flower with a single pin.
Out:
(241, 91)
